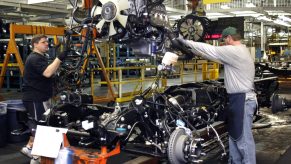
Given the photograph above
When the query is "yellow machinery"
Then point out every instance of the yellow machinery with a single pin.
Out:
(12, 46)
(110, 94)
(54, 31)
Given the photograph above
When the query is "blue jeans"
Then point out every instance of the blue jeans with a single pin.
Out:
(243, 151)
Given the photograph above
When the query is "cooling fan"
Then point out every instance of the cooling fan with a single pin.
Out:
(110, 11)
(193, 27)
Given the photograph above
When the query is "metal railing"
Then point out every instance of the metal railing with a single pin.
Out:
(198, 71)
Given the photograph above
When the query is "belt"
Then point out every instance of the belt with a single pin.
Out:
(251, 96)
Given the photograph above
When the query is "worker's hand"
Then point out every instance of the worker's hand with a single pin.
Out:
(181, 44)
(62, 55)
(67, 45)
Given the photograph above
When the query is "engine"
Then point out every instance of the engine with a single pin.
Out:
(181, 125)
(130, 19)
(139, 22)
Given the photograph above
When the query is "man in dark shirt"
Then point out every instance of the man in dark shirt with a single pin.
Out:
(37, 84)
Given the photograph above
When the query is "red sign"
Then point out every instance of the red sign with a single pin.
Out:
(212, 36)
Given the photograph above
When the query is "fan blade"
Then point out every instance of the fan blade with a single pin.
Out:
(96, 10)
(184, 24)
(197, 23)
(111, 29)
(104, 1)
(189, 22)
(183, 30)
(123, 4)
(185, 33)
(199, 32)
(196, 37)
(100, 25)
(122, 19)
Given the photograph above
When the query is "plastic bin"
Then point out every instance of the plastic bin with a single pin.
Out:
(15, 104)
(3, 124)
(15, 108)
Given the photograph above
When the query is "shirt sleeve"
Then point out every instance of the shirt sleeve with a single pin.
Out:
(221, 54)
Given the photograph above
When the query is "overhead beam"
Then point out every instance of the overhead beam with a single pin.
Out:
(46, 17)
(256, 9)
(36, 7)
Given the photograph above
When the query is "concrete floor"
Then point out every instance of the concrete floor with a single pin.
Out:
(272, 143)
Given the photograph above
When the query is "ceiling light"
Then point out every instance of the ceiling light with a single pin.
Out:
(37, 1)
(284, 18)
(246, 13)
(250, 4)
(281, 33)
(219, 16)
(277, 12)
(270, 30)
(214, 14)
(249, 15)
(264, 18)
(224, 7)
(243, 12)
(280, 22)
(251, 34)
(175, 17)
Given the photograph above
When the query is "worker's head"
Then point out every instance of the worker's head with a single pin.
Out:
(230, 34)
(39, 43)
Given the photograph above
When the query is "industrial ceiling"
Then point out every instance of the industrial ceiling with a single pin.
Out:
(54, 12)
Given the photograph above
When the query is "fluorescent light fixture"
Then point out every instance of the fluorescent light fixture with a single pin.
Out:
(214, 14)
(284, 18)
(264, 18)
(270, 30)
(38, 1)
(281, 33)
(251, 34)
(280, 22)
(249, 15)
(250, 4)
(174, 17)
(243, 12)
(277, 12)
(221, 16)
(246, 13)
(224, 7)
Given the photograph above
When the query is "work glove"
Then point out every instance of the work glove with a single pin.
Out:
(62, 55)
(181, 45)
(67, 40)
(178, 43)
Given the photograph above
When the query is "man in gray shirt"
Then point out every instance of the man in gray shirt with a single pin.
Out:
(239, 82)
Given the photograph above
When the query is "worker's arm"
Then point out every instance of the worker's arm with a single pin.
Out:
(219, 54)
(52, 68)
